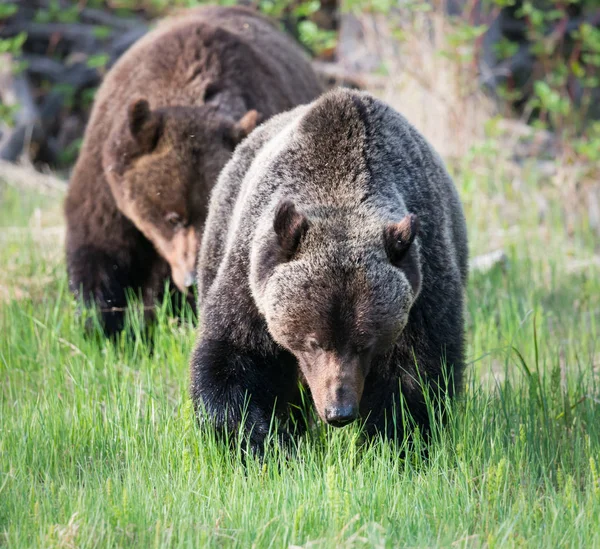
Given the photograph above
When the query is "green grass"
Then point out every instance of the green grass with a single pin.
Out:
(98, 446)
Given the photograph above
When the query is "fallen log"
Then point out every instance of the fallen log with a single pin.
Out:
(61, 61)
(27, 177)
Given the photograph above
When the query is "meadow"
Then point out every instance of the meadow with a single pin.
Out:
(99, 447)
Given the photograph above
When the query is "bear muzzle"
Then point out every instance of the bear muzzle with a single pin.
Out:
(183, 277)
(336, 385)
(182, 254)
(339, 416)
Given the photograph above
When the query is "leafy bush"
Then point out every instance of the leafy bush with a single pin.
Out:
(561, 92)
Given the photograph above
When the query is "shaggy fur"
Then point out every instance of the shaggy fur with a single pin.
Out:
(335, 252)
(164, 124)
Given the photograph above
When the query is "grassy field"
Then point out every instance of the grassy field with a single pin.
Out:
(98, 447)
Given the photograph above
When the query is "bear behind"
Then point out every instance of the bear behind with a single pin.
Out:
(335, 251)
(165, 121)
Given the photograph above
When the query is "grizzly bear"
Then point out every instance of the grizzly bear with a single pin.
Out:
(335, 254)
(165, 121)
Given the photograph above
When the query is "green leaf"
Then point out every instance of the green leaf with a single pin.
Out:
(101, 32)
(14, 44)
(6, 10)
(577, 69)
(98, 61)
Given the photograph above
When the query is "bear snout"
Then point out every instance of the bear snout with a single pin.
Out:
(189, 279)
(181, 255)
(339, 416)
(184, 278)
(336, 385)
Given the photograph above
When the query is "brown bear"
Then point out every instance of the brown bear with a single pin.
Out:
(335, 252)
(165, 121)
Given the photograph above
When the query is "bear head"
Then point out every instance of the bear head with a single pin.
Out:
(336, 291)
(161, 165)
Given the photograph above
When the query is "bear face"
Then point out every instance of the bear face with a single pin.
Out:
(160, 166)
(321, 290)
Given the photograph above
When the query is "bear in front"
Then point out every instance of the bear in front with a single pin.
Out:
(335, 254)
(164, 123)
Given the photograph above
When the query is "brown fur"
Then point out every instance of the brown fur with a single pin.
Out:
(336, 252)
(164, 123)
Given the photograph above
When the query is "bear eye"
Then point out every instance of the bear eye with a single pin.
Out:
(174, 219)
(364, 350)
(364, 347)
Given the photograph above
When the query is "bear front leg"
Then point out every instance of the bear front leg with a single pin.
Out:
(99, 278)
(395, 409)
(242, 388)
(411, 396)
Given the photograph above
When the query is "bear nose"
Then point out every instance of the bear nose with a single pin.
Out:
(189, 279)
(338, 416)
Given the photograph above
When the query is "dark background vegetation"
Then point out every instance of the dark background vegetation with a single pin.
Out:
(538, 60)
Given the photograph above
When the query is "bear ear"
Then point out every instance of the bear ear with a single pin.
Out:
(144, 124)
(290, 226)
(398, 237)
(245, 125)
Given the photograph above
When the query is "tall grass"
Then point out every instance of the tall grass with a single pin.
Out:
(99, 447)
